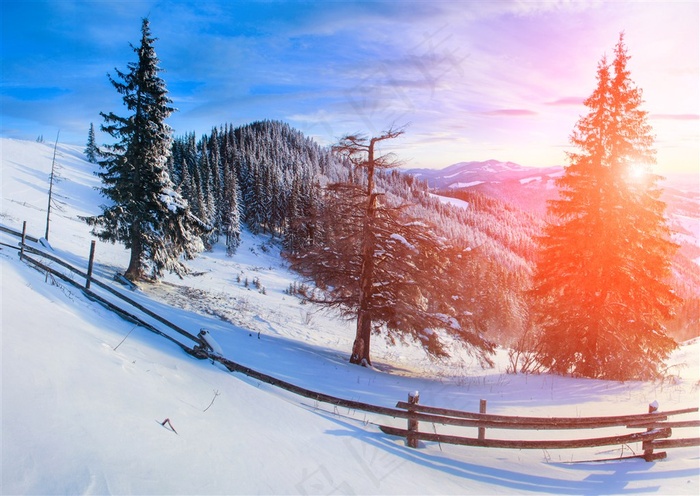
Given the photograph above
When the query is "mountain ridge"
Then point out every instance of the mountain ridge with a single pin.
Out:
(528, 188)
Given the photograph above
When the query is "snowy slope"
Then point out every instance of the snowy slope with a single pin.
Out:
(528, 188)
(491, 172)
(81, 405)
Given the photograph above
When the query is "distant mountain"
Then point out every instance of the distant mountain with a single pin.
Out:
(466, 174)
(528, 188)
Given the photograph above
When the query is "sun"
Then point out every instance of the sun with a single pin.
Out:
(637, 171)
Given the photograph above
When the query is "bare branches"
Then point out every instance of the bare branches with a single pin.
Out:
(360, 150)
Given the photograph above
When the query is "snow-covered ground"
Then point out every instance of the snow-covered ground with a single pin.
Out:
(451, 201)
(687, 230)
(84, 392)
(465, 185)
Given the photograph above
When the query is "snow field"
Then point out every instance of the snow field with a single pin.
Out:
(82, 406)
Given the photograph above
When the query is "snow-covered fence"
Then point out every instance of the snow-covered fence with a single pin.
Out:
(131, 317)
(107, 288)
(657, 432)
(22, 235)
(656, 436)
(129, 314)
(9, 230)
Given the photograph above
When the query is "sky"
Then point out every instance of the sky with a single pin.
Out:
(469, 80)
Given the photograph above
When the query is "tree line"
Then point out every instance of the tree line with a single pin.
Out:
(264, 175)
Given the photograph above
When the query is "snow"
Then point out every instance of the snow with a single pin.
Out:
(687, 229)
(459, 173)
(451, 201)
(172, 200)
(403, 241)
(466, 185)
(84, 392)
(211, 342)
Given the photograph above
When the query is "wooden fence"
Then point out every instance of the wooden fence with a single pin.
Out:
(656, 429)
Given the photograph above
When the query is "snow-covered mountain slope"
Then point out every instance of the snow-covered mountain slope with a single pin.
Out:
(528, 188)
(462, 173)
(84, 392)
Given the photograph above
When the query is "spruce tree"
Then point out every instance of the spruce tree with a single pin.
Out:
(231, 215)
(601, 279)
(217, 178)
(91, 149)
(146, 214)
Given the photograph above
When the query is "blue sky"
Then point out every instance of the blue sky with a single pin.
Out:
(472, 80)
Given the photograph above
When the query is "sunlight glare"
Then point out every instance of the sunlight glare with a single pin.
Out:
(637, 171)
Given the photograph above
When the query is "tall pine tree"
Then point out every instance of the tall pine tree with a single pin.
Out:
(146, 214)
(602, 296)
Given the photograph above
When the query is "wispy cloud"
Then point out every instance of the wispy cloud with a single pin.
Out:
(567, 100)
(675, 117)
(510, 112)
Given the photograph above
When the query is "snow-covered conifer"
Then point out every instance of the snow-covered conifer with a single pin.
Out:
(145, 212)
(92, 152)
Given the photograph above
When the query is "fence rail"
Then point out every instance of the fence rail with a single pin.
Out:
(658, 429)
(471, 419)
(529, 444)
(656, 435)
(14, 232)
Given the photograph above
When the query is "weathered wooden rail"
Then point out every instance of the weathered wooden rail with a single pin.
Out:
(655, 436)
(657, 433)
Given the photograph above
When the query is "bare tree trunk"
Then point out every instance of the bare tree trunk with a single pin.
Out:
(360, 349)
(135, 271)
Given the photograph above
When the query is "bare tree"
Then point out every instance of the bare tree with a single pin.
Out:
(362, 153)
(381, 266)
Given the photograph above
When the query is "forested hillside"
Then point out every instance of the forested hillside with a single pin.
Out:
(272, 178)
(515, 192)
(264, 174)
(501, 239)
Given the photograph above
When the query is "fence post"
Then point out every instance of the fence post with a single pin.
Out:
(24, 237)
(482, 430)
(90, 262)
(413, 399)
(648, 447)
